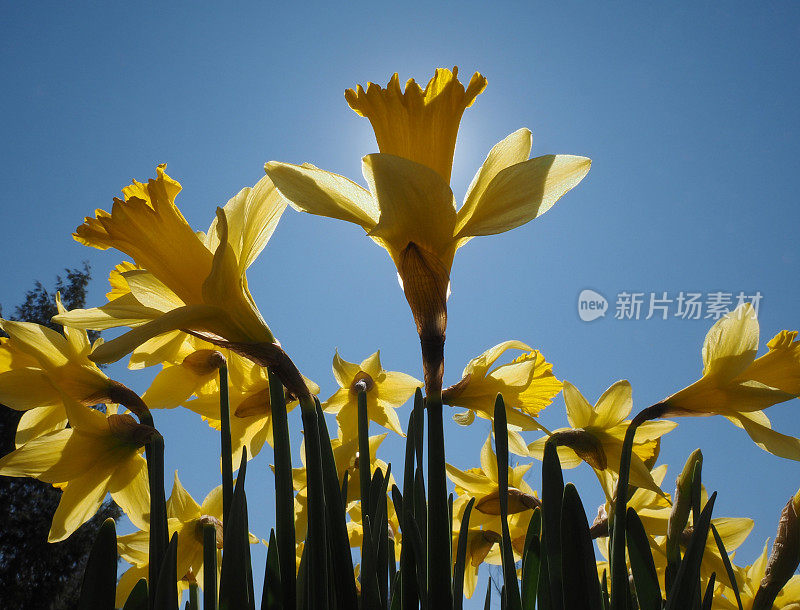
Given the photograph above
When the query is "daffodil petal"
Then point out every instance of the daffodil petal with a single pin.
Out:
(130, 489)
(124, 311)
(252, 214)
(613, 406)
(480, 365)
(416, 206)
(579, 411)
(38, 422)
(316, 191)
(151, 292)
(768, 439)
(79, 502)
(514, 148)
(190, 316)
(475, 484)
(173, 386)
(520, 193)
(27, 388)
(731, 344)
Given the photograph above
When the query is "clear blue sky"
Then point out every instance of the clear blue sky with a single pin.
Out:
(689, 113)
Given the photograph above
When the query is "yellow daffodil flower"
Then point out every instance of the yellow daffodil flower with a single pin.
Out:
(37, 365)
(527, 384)
(749, 579)
(653, 508)
(386, 391)
(186, 518)
(482, 484)
(99, 453)
(597, 433)
(738, 385)
(249, 400)
(409, 208)
(184, 280)
(484, 534)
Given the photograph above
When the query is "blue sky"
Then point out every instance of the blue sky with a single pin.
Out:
(689, 113)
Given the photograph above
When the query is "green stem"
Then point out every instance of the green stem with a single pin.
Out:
(618, 565)
(209, 567)
(438, 519)
(194, 602)
(364, 462)
(154, 453)
(284, 491)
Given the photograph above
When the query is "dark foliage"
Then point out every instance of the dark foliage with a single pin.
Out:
(34, 573)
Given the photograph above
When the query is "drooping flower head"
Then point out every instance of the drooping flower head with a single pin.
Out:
(737, 385)
(39, 366)
(99, 453)
(597, 432)
(409, 208)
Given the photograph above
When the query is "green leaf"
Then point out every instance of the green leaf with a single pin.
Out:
(728, 567)
(159, 532)
(271, 598)
(552, 497)
(531, 560)
(487, 605)
(708, 598)
(580, 586)
(409, 595)
(137, 600)
(100, 576)
(364, 460)
(317, 540)
(413, 536)
(341, 560)
(284, 491)
(461, 558)
(686, 583)
(645, 578)
(604, 591)
(225, 446)
(510, 583)
(233, 587)
(166, 592)
(370, 595)
(209, 567)
(302, 580)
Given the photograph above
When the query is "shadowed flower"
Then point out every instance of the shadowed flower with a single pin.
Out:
(386, 391)
(183, 279)
(738, 385)
(99, 453)
(597, 433)
(409, 208)
(186, 518)
(38, 366)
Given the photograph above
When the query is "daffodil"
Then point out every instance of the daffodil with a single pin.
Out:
(732, 530)
(485, 527)
(38, 365)
(409, 208)
(386, 391)
(527, 384)
(249, 400)
(186, 518)
(99, 453)
(482, 484)
(597, 432)
(653, 509)
(738, 385)
(748, 580)
(183, 279)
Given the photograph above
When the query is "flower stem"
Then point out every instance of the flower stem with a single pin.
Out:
(438, 519)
